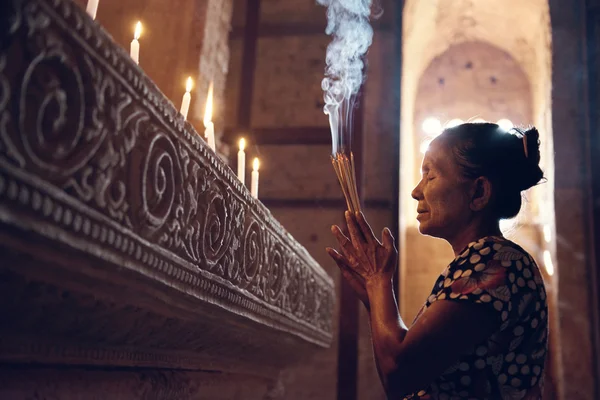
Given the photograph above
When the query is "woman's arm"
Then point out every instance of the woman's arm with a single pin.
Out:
(387, 329)
(410, 359)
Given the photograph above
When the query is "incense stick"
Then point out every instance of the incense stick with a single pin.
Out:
(346, 174)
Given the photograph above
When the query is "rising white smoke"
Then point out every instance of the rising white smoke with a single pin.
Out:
(348, 23)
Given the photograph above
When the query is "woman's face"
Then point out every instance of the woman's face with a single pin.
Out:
(443, 195)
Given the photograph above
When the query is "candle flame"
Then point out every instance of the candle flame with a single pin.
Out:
(138, 30)
(209, 106)
(189, 84)
(255, 164)
(242, 143)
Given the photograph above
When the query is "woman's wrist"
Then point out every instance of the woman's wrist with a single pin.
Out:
(378, 283)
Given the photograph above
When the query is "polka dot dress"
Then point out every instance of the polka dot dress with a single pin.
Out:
(509, 364)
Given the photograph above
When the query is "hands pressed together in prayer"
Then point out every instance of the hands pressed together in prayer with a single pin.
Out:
(363, 260)
(406, 361)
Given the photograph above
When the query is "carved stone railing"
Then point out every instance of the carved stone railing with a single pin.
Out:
(124, 240)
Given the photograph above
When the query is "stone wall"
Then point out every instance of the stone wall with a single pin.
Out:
(180, 38)
(298, 183)
(287, 93)
(575, 256)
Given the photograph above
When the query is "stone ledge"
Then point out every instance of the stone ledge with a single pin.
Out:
(135, 222)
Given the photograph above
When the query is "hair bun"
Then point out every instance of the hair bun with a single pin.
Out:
(529, 173)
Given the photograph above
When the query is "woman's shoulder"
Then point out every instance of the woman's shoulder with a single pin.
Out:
(495, 248)
(493, 271)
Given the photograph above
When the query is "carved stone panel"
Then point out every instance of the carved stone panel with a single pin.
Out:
(116, 217)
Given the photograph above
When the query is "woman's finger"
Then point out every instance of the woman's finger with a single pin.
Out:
(337, 257)
(366, 228)
(355, 234)
(344, 265)
(388, 240)
(355, 281)
(345, 244)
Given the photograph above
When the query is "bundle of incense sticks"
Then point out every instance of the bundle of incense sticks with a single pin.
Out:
(344, 169)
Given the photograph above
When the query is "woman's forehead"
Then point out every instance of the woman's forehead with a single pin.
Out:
(434, 154)
(437, 156)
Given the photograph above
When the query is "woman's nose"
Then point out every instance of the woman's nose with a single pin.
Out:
(417, 193)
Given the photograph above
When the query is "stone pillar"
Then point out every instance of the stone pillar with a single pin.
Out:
(574, 215)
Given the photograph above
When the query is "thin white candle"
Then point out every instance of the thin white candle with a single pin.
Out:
(187, 97)
(209, 132)
(134, 50)
(254, 182)
(242, 162)
(209, 135)
(92, 8)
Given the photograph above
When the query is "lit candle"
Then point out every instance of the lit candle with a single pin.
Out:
(135, 45)
(92, 7)
(209, 131)
(242, 161)
(187, 97)
(254, 182)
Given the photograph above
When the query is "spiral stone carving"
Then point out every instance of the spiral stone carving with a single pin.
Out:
(216, 228)
(295, 287)
(310, 305)
(252, 252)
(51, 117)
(160, 180)
(276, 271)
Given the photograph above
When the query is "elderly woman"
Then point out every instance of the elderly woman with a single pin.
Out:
(482, 333)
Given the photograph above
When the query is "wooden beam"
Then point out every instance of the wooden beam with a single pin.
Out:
(284, 136)
(248, 63)
(283, 30)
(396, 89)
(592, 34)
(339, 204)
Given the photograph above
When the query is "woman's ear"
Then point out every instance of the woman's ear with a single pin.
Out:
(482, 193)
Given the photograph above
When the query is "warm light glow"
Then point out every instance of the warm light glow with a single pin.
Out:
(209, 106)
(506, 225)
(242, 143)
(189, 84)
(138, 30)
(432, 126)
(454, 122)
(547, 233)
(505, 124)
(425, 145)
(255, 164)
(548, 262)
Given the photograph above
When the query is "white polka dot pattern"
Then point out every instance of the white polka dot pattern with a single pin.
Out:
(503, 278)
